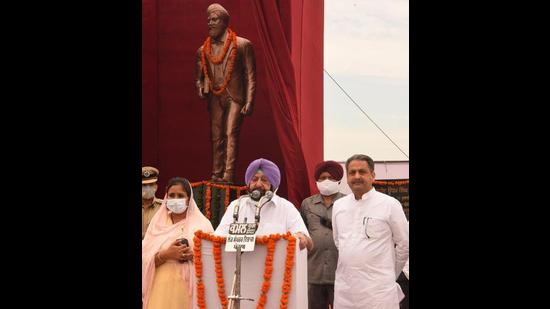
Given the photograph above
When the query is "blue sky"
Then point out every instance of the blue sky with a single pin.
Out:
(367, 52)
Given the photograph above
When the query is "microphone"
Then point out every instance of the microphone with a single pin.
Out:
(255, 195)
(266, 198)
(236, 209)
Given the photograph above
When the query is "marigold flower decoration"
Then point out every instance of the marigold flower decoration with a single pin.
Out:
(208, 201)
(219, 273)
(207, 51)
(289, 262)
(198, 269)
(262, 240)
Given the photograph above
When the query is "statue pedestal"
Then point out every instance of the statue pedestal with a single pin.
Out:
(213, 198)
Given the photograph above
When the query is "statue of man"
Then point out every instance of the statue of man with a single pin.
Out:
(226, 78)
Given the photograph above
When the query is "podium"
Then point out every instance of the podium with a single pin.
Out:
(253, 269)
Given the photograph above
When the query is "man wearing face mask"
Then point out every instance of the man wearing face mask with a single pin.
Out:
(316, 211)
(149, 203)
(278, 215)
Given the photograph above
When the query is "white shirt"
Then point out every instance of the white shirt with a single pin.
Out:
(372, 237)
(277, 216)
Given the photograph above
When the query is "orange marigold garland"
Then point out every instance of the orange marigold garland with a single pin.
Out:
(217, 240)
(198, 269)
(219, 273)
(263, 240)
(207, 49)
(287, 284)
(267, 273)
(208, 194)
(207, 202)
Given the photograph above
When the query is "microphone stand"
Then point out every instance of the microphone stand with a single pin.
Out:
(235, 297)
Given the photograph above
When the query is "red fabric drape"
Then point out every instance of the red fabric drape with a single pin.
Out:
(175, 134)
(280, 72)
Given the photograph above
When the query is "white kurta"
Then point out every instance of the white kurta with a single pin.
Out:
(276, 216)
(372, 237)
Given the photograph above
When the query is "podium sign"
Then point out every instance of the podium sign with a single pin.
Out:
(241, 235)
(252, 271)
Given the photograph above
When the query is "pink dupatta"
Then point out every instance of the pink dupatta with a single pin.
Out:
(160, 234)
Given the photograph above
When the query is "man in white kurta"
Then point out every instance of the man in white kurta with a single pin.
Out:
(277, 216)
(371, 233)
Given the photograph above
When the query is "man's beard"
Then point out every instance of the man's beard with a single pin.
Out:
(216, 32)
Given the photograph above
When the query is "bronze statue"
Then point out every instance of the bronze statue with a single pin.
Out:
(226, 77)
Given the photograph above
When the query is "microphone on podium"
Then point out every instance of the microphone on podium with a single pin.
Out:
(254, 195)
(266, 198)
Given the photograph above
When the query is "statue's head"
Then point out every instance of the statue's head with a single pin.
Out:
(218, 20)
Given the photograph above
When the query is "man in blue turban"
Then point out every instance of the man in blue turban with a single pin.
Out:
(277, 215)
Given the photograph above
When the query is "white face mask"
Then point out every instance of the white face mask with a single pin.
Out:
(328, 187)
(148, 192)
(176, 205)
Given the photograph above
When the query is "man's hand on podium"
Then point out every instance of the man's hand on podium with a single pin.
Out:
(304, 241)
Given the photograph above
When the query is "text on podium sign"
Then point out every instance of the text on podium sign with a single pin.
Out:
(241, 235)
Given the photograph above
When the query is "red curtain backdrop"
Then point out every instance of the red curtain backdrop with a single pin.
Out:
(287, 124)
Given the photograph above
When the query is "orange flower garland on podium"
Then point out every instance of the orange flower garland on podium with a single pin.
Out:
(274, 275)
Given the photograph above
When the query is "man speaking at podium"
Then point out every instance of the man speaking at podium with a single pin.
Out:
(274, 214)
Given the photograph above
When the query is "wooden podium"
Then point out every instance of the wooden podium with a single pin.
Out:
(253, 268)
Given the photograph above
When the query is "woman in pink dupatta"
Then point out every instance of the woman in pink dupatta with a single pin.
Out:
(167, 265)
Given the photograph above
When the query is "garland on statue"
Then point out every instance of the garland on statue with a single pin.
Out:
(207, 51)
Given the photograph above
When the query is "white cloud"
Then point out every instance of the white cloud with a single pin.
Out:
(367, 51)
(384, 58)
(368, 38)
(341, 143)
